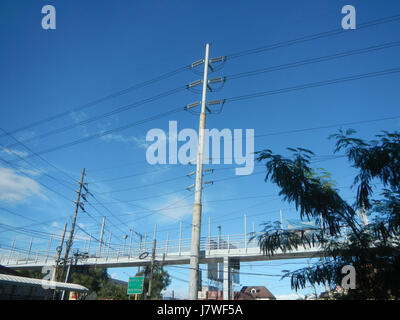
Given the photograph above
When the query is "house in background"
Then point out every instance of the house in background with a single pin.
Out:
(254, 293)
(246, 293)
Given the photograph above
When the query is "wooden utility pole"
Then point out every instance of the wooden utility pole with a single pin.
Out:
(55, 276)
(71, 234)
(59, 250)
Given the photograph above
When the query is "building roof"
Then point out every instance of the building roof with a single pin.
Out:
(243, 296)
(257, 292)
(23, 281)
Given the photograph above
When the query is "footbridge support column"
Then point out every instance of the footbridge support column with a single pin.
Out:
(227, 278)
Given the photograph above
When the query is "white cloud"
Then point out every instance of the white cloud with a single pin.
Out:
(31, 172)
(20, 154)
(14, 188)
(14, 152)
(156, 174)
(139, 142)
(81, 225)
(78, 116)
(55, 224)
(25, 135)
(174, 208)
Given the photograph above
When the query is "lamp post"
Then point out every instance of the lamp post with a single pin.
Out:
(123, 249)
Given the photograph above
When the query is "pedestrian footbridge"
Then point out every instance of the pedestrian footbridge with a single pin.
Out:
(230, 250)
(241, 248)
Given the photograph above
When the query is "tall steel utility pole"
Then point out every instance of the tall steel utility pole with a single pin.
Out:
(71, 234)
(196, 221)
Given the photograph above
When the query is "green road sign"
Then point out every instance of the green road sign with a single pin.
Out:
(135, 285)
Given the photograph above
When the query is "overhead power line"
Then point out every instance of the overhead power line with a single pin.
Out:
(170, 207)
(152, 184)
(143, 186)
(326, 127)
(105, 133)
(313, 60)
(232, 99)
(41, 183)
(29, 232)
(118, 201)
(312, 37)
(112, 214)
(62, 182)
(17, 214)
(352, 123)
(101, 116)
(145, 198)
(94, 238)
(108, 221)
(105, 98)
(315, 84)
(19, 250)
(159, 212)
(207, 201)
(41, 223)
(114, 167)
(188, 67)
(56, 179)
(157, 171)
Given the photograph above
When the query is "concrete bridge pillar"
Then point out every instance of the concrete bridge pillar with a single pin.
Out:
(227, 278)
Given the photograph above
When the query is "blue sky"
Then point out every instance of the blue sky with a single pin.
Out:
(100, 47)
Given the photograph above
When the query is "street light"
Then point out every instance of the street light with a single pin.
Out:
(124, 237)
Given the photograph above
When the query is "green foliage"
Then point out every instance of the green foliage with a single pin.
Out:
(160, 281)
(93, 279)
(97, 280)
(372, 249)
(112, 291)
(31, 274)
(312, 194)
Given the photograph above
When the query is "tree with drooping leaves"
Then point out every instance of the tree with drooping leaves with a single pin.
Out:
(371, 248)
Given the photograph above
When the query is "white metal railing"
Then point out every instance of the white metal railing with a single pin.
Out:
(10, 256)
(165, 248)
